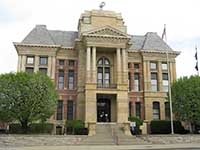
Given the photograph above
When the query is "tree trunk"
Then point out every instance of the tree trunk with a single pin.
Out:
(190, 127)
(24, 125)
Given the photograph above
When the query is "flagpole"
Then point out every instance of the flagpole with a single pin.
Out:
(164, 36)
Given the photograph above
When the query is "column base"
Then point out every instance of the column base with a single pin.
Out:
(92, 128)
(126, 127)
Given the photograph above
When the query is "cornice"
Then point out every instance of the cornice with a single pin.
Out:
(105, 36)
(155, 51)
(42, 45)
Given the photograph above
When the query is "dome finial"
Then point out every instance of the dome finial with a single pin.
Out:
(102, 5)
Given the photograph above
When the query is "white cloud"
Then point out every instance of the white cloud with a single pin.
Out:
(140, 16)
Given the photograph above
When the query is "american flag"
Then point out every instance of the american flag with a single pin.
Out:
(196, 57)
(164, 32)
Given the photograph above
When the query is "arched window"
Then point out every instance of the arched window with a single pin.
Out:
(156, 110)
(103, 72)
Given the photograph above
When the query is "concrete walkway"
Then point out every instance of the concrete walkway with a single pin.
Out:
(109, 147)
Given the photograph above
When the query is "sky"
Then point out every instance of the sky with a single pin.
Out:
(19, 17)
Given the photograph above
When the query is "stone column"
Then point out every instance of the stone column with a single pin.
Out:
(171, 72)
(53, 67)
(19, 63)
(88, 66)
(36, 66)
(174, 71)
(147, 76)
(23, 63)
(160, 85)
(94, 65)
(49, 66)
(122, 109)
(118, 65)
(125, 64)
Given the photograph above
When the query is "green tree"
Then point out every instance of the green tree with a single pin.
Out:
(186, 100)
(26, 97)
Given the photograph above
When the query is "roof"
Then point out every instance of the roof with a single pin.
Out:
(150, 41)
(42, 36)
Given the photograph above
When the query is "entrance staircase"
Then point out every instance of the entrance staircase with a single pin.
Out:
(111, 134)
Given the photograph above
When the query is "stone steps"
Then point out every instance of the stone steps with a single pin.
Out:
(111, 134)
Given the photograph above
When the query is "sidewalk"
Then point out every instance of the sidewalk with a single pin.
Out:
(108, 147)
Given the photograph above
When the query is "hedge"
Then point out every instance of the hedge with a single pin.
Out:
(76, 127)
(164, 127)
(35, 128)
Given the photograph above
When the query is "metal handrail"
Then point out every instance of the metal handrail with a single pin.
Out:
(115, 137)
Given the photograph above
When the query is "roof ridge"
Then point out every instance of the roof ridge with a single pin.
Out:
(145, 36)
(61, 31)
(51, 36)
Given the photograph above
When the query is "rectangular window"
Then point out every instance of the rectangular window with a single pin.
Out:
(43, 70)
(165, 82)
(130, 108)
(71, 63)
(136, 66)
(61, 62)
(100, 77)
(154, 82)
(71, 80)
(30, 60)
(156, 110)
(107, 77)
(70, 110)
(60, 110)
(29, 69)
(129, 81)
(136, 82)
(138, 109)
(153, 66)
(61, 79)
(164, 66)
(43, 60)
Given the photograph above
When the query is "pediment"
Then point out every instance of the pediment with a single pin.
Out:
(106, 31)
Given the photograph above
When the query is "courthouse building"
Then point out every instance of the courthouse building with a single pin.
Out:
(101, 72)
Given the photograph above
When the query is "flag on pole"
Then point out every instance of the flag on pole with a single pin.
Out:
(196, 57)
(164, 32)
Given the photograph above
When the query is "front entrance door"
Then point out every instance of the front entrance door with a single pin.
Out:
(103, 110)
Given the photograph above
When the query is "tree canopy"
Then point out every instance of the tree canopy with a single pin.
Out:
(26, 97)
(186, 99)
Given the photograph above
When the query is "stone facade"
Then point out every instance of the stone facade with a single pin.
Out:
(104, 72)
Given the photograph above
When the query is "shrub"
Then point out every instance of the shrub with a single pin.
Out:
(164, 127)
(35, 128)
(15, 128)
(139, 122)
(76, 127)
